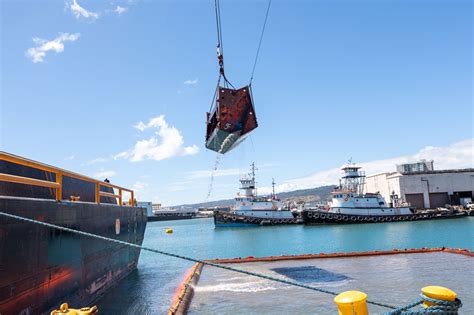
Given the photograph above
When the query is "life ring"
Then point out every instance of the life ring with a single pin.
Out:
(234, 219)
(346, 199)
(344, 218)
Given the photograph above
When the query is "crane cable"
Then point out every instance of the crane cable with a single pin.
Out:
(260, 42)
(220, 45)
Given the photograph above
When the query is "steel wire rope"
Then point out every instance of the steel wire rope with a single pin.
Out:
(220, 43)
(260, 42)
(156, 251)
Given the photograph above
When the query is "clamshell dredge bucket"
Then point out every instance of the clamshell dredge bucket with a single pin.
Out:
(232, 119)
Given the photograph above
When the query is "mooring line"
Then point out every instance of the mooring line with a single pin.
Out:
(250, 273)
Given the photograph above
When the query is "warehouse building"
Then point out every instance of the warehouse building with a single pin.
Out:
(424, 187)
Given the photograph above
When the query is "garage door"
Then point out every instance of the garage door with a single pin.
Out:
(438, 200)
(415, 200)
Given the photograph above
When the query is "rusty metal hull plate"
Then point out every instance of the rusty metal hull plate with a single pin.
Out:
(232, 120)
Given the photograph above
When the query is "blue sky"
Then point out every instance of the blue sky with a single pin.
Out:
(371, 80)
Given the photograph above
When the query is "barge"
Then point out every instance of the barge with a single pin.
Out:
(41, 267)
(209, 290)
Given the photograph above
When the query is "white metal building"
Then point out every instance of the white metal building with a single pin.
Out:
(427, 188)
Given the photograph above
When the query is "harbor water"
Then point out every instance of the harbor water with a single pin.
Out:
(150, 289)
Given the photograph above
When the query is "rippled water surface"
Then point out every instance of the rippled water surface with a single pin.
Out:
(150, 289)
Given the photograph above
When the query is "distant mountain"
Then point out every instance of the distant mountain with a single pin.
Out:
(306, 195)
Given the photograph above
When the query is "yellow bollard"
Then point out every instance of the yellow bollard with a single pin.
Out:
(439, 293)
(64, 309)
(169, 231)
(352, 303)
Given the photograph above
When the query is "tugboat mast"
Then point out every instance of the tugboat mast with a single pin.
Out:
(273, 188)
(252, 170)
(252, 175)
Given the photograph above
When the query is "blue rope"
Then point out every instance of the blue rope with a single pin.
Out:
(441, 307)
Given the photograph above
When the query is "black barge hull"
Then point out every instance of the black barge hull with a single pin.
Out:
(41, 267)
(170, 217)
(323, 217)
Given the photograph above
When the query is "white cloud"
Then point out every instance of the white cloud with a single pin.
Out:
(120, 10)
(219, 173)
(227, 171)
(456, 155)
(191, 82)
(37, 54)
(180, 186)
(166, 143)
(102, 174)
(80, 12)
(139, 186)
(95, 161)
(69, 158)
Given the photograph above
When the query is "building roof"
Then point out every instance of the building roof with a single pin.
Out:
(460, 170)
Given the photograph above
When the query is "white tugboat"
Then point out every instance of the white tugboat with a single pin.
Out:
(250, 209)
(350, 204)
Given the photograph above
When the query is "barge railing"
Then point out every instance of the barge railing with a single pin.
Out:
(57, 184)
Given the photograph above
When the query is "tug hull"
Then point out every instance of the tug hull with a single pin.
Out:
(323, 217)
(224, 219)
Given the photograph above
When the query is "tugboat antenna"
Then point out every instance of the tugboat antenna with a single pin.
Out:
(273, 187)
(253, 169)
